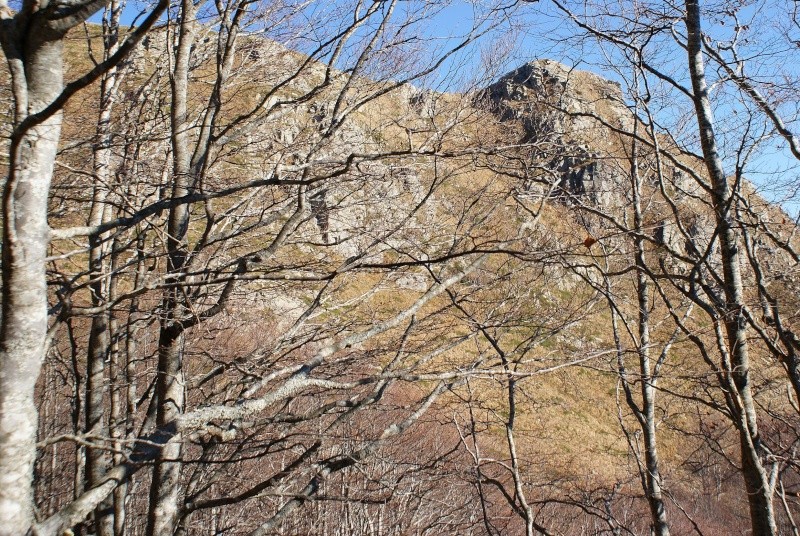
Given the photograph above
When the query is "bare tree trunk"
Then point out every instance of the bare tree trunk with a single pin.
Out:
(759, 492)
(165, 496)
(33, 43)
(97, 459)
(78, 481)
(37, 71)
(97, 423)
(119, 416)
(516, 474)
(646, 416)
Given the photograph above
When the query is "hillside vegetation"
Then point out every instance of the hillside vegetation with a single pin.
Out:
(295, 293)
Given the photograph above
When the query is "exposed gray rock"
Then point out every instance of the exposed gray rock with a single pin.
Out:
(557, 108)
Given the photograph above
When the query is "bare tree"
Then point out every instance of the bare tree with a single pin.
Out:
(33, 42)
(715, 280)
(336, 212)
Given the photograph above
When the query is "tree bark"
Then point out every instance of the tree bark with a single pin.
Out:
(37, 81)
(646, 416)
(165, 490)
(33, 43)
(759, 492)
(97, 421)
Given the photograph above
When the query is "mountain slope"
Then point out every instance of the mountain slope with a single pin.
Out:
(397, 300)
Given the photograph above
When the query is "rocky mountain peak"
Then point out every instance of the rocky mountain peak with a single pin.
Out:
(551, 99)
(565, 113)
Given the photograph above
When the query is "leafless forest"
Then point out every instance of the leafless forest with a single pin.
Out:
(315, 267)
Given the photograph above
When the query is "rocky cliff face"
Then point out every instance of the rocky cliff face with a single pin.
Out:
(562, 111)
(573, 118)
(550, 99)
